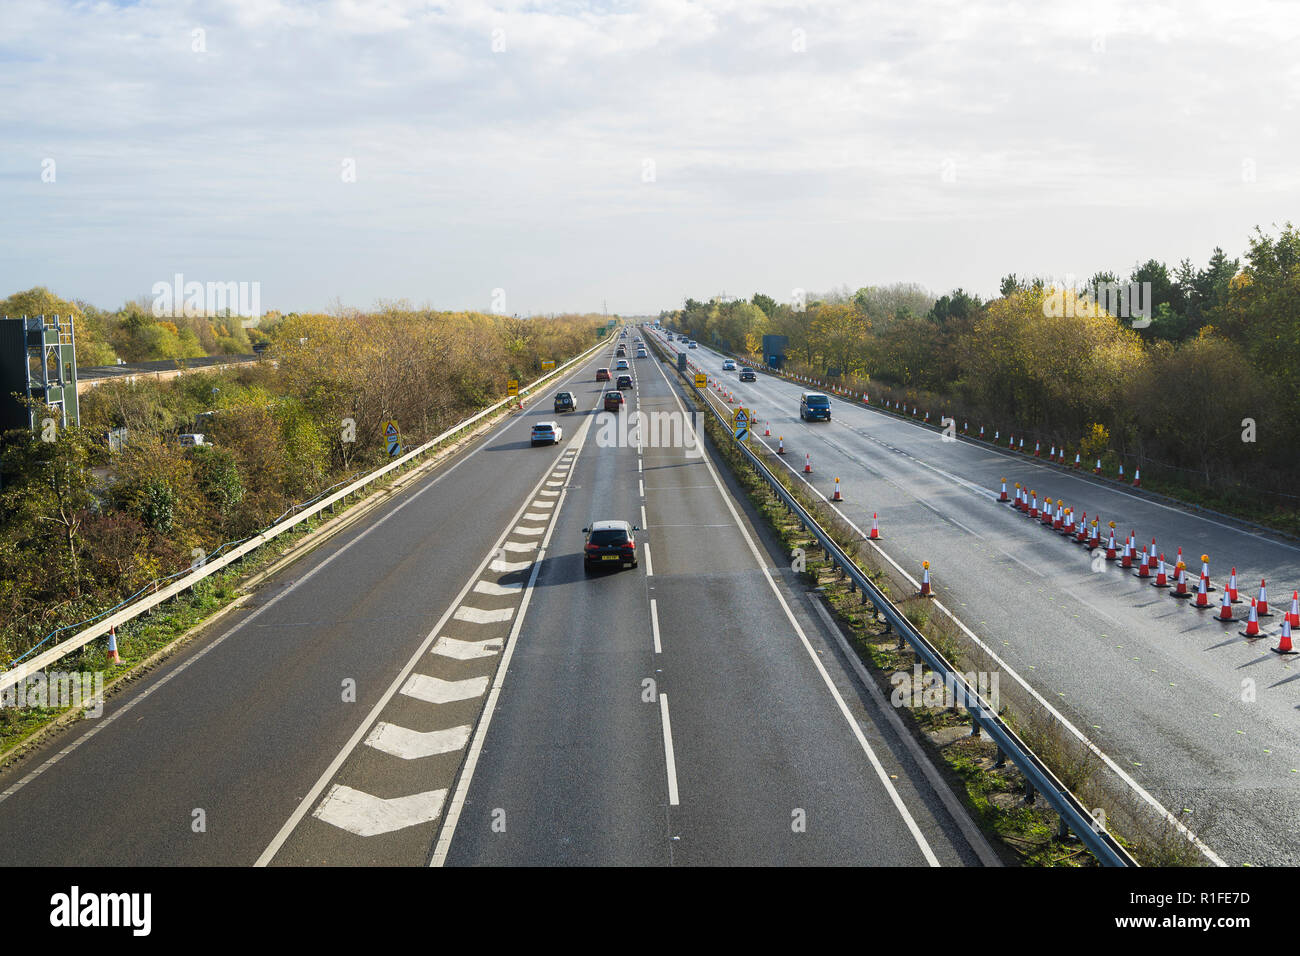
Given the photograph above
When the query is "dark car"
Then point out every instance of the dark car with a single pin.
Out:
(747, 375)
(624, 381)
(602, 375)
(815, 406)
(564, 401)
(609, 544)
(620, 352)
(613, 401)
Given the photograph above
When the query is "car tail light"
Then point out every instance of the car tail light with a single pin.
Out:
(593, 547)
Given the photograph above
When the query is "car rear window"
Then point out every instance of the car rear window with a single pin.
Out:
(612, 536)
(542, 428)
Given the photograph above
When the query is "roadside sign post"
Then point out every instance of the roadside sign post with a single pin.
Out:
(512, 389)
(701, 380)
(740, 424)
(393, 438)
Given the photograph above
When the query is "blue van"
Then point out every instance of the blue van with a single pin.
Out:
(815, 406)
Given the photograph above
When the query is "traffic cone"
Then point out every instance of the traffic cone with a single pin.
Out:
(1095, 540)
(1293, 615)
(925, 579)
(1162, 579)
(1144, 569)
(836, 496)
(1126, 559)
(1033, 504)
(1038, 449)
(1096, 469)
(1202, 596)
(1046, 516)
(1180, 583)
(113, 657)
(807, 464)
(1110, 545)
(1121, 471)
(1232, 588)
(1061, 459)
(1059, 522)
(1284, 644)
(1068, 527)
(1225, 609)
(1137, 478)
(1022, 444)
(1051, 453)
(981, 433)
(1205, 573)
(1152, 554)
(1263, 600)
(767, 430)
(1081, 535)
(1003, 495)
(1252, 622)
(875, 527)
(780, 445)
(996, 435)
(1076, 460)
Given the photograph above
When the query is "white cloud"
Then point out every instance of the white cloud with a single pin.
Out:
(954, 141)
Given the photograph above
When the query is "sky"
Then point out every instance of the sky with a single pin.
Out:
(550, 157)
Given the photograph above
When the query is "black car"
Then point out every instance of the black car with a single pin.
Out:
(624, 381)
(747, 375)
(609, 544)
(564, 401)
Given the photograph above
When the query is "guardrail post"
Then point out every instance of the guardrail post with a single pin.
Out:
(1001, 761)
(1030, 792)
(1063, 829)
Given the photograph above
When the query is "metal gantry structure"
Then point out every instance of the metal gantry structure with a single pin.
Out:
(38, 361)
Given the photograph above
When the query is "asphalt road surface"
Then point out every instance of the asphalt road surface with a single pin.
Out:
(442, 683)
(1201, 717)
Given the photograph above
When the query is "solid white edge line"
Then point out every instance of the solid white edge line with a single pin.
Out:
(669, 759)
(1115, 768)
(451, 818)
(881, 773)
(297, 816)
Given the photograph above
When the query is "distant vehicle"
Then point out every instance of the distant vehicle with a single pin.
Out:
(191, 439)
(564, 401)
(624, 381)
(620, 351)
(683, 338)
(642, 353)
(547, 433)
(613, 401)
(747, 375)
(609, 544)
(814, 406)
(621, 365)
(692, 344)
(602, 375)
(728, 365)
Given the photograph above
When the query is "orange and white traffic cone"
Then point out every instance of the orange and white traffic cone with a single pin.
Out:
(1144, 568)
(1059, 521)
(1263, 600)
(1202, 595)
(1033, 504)
(1110, 544)
(1081, 535)
(1126, 559)
(1003, 495)
(780, 445)
(1252, 622)
(1162, 578)
(807, 464)
(1137, 477)
(113, 656)
(1121, 471)
(1152, 554)
(1232, 588)
(836, 496)
(1225, 609)
(1205, 573)
(1096, 469)
(925, 579)
(1046, 516)
(875, 527)
(1293, 615)
(1284, 643)
(1180, 583)
(1077, 461)
(767, 429)
(1038, 449)
(1095, 541)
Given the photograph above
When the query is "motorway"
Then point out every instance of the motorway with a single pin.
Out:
(1201, 717)
(442, 683)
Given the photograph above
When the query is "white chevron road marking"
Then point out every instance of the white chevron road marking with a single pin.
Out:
(521, 529)
(498, 590)
(411, 744)
(366, 815)
(477, 615)
(506, 567)
(466, 650)
(433, 690)
(520, 547)
(534, 516)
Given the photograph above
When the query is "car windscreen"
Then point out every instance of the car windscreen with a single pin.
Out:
(817, 401)
(612, 536)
